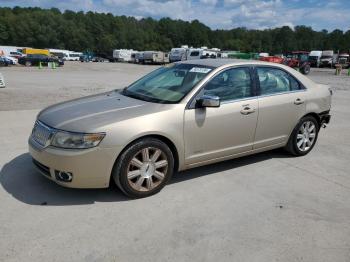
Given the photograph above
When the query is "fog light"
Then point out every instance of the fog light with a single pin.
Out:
(63, 176)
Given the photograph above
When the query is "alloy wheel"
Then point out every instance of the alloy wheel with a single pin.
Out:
(147, 169)
(306, 136)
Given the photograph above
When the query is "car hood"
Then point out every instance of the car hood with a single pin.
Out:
(92, 113)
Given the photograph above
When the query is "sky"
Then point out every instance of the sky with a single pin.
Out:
(217, 14)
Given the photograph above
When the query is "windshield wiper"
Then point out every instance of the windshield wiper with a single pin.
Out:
(126, 92)
(142, 97)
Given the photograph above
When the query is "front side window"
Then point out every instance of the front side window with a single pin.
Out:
(232, 84)
(168, 84)
(274, 80)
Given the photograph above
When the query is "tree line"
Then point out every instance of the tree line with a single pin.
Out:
(101, 33)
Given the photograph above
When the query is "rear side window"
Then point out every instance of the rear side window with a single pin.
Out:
(273, 80)
(232, 84)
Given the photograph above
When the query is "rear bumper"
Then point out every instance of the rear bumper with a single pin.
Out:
(325, 118)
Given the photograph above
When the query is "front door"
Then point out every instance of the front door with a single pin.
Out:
(216, 133)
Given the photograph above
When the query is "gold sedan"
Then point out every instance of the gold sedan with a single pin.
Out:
(177, 117)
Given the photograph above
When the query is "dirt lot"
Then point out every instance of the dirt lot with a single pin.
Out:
(267, 207)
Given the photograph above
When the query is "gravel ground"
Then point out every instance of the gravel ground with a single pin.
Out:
(32, 88)
(267, 207)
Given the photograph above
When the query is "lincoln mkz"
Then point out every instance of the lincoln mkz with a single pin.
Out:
(184, 115)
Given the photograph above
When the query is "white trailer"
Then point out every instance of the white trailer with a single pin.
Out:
(122, 55)
(202, 53)
(178, 54)
(209, 53)
(194, 53)
(11, 50)
(73, 56)
(155, 57)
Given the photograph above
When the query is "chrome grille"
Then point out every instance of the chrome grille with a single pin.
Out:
(41, 133)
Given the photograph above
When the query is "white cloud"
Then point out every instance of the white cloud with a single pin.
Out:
(217, 13)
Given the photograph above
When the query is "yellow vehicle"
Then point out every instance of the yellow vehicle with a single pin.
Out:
(33, 51)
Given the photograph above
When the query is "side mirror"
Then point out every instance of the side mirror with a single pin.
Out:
(208, 101)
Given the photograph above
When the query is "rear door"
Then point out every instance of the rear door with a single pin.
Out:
(215, 133)
(281, 104)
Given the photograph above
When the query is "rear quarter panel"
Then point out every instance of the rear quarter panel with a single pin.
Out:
(319, 99)
(318, 96)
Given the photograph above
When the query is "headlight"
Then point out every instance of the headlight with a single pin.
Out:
(76, 140)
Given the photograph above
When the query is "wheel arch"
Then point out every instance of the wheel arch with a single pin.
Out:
(314, 115)
(162, 138)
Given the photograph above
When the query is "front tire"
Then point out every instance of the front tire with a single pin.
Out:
(144, 168)
(303, 137)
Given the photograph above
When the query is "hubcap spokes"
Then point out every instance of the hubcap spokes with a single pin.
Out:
(147, 169)
(306, 136)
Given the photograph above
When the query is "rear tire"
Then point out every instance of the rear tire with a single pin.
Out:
(306, 69)
(303, 137)
(144, 168)
(28, 63)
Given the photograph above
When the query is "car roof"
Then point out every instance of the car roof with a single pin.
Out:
(225, 62)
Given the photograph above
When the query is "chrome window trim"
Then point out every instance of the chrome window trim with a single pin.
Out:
(282, 93)
(238, 100)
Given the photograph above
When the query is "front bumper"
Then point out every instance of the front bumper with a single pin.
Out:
(91, 168)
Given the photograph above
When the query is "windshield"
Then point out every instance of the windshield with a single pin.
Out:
(167, 84)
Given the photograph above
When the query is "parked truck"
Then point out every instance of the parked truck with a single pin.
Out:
(315, 58)
(7, 50)
(139, 57)
(34, 51)
(327, 59)
(344, 60)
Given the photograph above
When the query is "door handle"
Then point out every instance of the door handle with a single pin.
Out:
(247, 110)
(298, 101)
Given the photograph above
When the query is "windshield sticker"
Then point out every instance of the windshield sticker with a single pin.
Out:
(201, 70)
